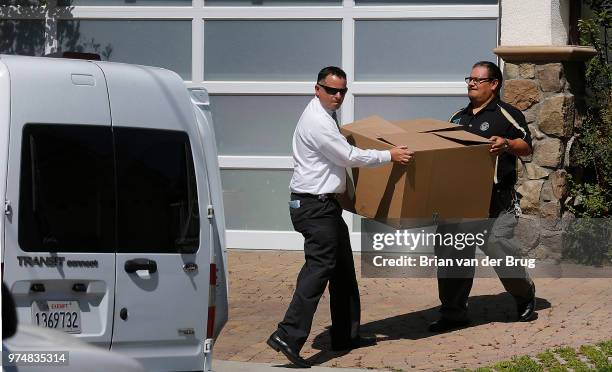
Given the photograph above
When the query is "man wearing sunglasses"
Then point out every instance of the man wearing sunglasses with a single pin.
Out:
(488, 116)
(321, 155)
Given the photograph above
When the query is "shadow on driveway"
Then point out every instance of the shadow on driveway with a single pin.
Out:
(484, 309)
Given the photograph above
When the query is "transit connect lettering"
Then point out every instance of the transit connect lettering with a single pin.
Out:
(54, 261)
(41, 261)
(74, 263)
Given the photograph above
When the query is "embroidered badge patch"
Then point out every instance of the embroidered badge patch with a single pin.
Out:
(484, 126)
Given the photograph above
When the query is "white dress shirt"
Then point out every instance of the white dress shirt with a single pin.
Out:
(321, 154)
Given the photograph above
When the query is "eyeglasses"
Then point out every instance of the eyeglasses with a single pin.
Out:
(333, 91)
(476, 80)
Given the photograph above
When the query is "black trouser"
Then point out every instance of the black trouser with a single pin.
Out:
(329, 258)
(455, 283)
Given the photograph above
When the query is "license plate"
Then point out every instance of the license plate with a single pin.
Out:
(60, 315)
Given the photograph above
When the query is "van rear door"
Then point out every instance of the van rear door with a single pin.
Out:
(59, 258)
(163, 252)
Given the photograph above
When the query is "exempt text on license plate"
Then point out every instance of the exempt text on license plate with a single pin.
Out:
(60, 315)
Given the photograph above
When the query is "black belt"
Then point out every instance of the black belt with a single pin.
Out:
(321, 197)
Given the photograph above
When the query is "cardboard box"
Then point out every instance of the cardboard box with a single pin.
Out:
(450, 176)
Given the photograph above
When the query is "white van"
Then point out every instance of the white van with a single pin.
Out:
(113, 226)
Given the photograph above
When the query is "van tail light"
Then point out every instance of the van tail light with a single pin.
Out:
(212, 292)
(210, 328)
(213, 274)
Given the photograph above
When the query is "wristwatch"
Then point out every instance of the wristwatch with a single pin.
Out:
(506, 144)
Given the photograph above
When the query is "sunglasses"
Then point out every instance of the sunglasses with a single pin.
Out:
(333, 91)
(476, 80)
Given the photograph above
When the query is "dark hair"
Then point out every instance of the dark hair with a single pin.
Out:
(494, 72)
(331, 70)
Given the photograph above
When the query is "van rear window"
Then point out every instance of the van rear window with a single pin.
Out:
(93, 189)
(66, 200)
(158, 202)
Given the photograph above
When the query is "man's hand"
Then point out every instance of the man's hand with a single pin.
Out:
(401, 155)
(498, 146)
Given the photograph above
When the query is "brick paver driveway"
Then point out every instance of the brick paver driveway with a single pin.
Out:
(571, 312)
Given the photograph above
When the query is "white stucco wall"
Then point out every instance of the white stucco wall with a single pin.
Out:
(534, 22)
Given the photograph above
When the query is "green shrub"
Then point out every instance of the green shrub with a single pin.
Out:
(593, 145)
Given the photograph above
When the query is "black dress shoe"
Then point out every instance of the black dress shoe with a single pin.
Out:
(276, 343)
(526, 310)
(362, 341)
(443, 325)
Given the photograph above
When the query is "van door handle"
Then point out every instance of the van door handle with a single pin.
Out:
(131, 266)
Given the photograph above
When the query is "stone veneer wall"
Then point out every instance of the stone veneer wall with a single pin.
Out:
(547, 96)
